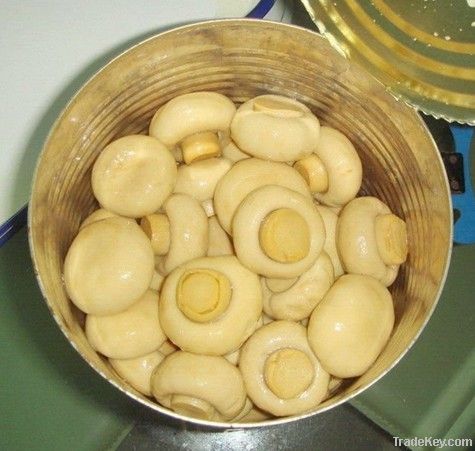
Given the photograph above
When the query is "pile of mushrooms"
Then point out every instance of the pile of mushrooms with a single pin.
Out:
(230, 272)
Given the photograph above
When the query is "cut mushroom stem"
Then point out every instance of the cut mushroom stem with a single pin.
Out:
(157, 228)
(200, 146)
(284, 236)
(276, 107)
(203, 294)
(288, 373)
(313, 171)
(391, 238)
(192, 407)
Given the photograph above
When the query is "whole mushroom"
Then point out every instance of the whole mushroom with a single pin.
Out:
(133, 176)
(280, 371)
(246, 176)
(210, 305)
(199, 386)
(298, 301)
(349, 328)
(333, 172)
(180, 233)
(192, 122)
(277, 232)
(276, 128)
(371, 240)
(109, 266)
(128, 334)
(138, 371)
(199, 179)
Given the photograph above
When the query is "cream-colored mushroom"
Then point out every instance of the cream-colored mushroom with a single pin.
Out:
(128, 334)
(208, 207)
(280, 371)
(248, 405)
(232, 357)
(157, 281)
(279, 285)
(199, 179)
(157, 228)
(188, 231)
(277, 232)
(219, 241)
(95, 216)
(351, 325)
(234, 153)
(248, 175)
(298, 301)
(138, 371)
(334, 172)
(255, 415)
(109, 266)
(276, 128)
(210, 305)
(133, 176)
(330, 219)
(199, 386)
(167, 348)
(371, 240)
(192, 121)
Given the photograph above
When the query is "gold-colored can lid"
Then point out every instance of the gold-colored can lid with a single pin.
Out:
(422, 50)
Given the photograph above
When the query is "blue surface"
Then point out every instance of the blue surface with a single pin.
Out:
(464, 230)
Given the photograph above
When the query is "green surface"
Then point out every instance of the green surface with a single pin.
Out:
(50, 399)
(431, 392)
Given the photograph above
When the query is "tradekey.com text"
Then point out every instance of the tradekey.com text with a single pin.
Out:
(433, 442)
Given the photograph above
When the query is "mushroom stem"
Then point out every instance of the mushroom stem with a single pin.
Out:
(157, 228)
(288, 373)
(203, 294)
(284, 236)
(391, 238)
(192, 407)
(314, 172)
(200, 146)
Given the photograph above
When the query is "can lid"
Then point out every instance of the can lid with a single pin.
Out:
(423, 51)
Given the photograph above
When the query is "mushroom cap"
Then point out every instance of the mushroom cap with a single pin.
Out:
(330, 219)
(133, 176)
(138, 371)
(267, 340)
(191, 113)
(248, 175)
(351, 325)
(248, 405)
(343, 167)
(95, 216)
(233, 153)
(199, 178)
(225, 333)
(279, 285)
(298, 301)
(219, 241)
(128, 334)
(275, 128)
(188, 231)
(247, 225)
(356, 239)
(109, 266)
(208, 378)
